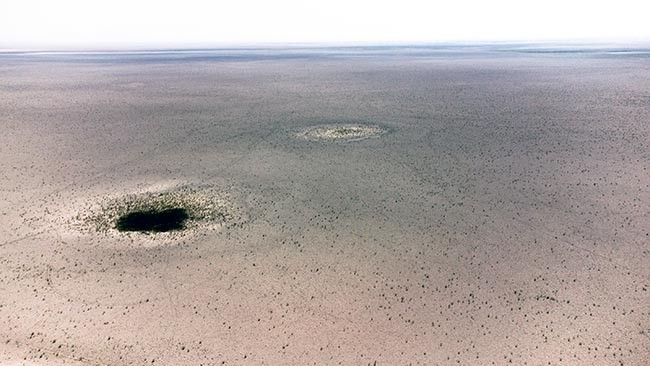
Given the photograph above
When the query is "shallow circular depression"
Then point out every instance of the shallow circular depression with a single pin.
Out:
(342, 132)
(168, 212)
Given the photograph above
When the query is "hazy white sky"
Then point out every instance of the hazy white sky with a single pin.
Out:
(129, 23)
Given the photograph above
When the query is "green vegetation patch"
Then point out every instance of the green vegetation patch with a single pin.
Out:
(346, 131)
(153, 220)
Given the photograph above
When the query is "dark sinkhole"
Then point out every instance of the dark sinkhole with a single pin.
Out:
(156, 221)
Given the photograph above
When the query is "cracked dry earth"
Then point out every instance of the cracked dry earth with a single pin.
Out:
(504, 219)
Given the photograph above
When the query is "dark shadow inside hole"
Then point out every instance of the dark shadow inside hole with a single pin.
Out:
(153, 220)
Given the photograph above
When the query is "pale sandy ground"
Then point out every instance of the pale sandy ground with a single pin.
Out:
(503, 219)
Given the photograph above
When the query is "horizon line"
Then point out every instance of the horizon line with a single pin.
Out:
(152, 47)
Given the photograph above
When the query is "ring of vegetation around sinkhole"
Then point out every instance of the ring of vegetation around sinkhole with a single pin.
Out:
(176, 210)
